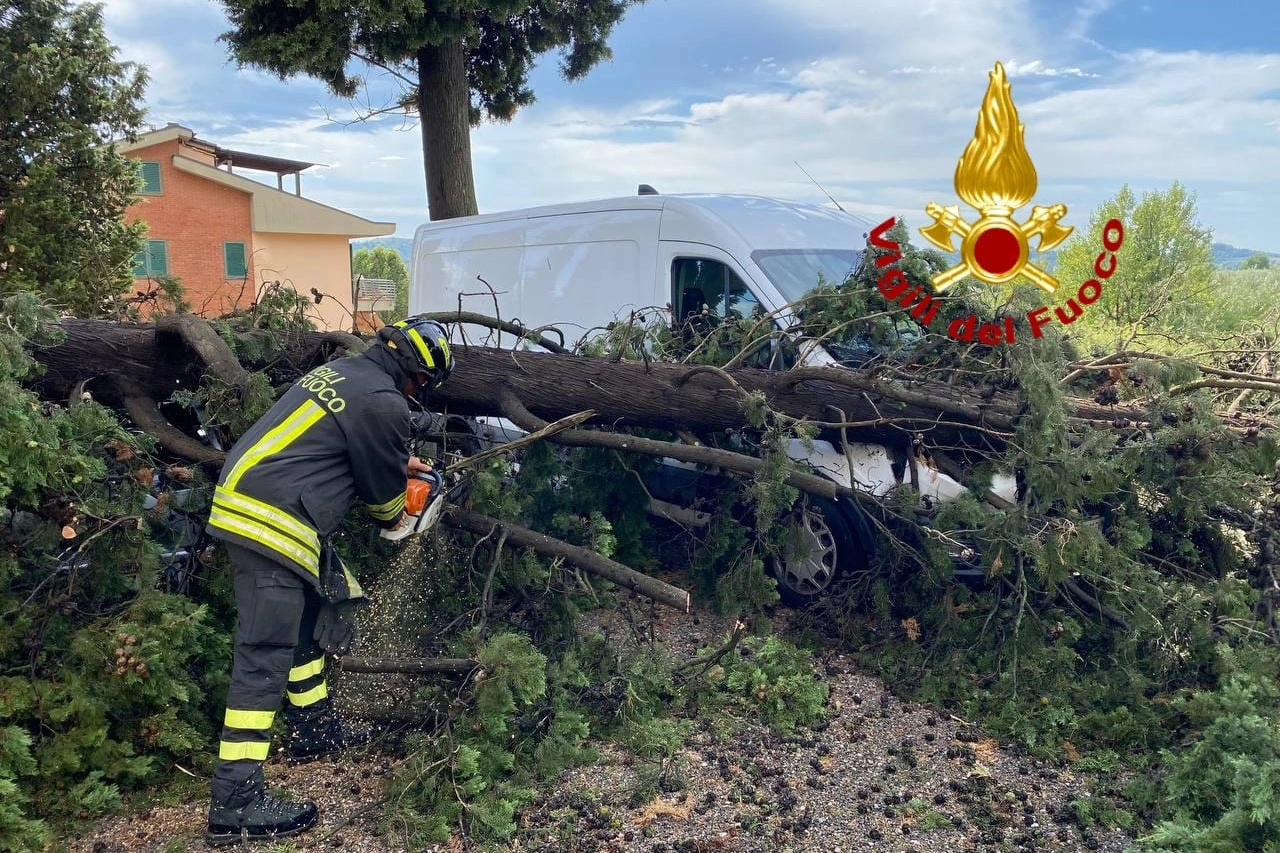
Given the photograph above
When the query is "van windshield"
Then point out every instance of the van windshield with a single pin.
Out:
(795, 272)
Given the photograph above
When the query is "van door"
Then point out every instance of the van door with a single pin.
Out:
(708, 288)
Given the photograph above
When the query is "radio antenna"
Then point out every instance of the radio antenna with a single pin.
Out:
(819, 186)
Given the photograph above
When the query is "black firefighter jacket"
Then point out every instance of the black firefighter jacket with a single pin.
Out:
(338, 435)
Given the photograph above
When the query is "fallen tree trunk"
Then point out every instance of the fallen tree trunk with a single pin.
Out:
(631, 394)
(158, 360)
(174, 355)
(138, 366)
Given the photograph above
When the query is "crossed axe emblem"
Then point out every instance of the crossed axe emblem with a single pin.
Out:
(1043, 224)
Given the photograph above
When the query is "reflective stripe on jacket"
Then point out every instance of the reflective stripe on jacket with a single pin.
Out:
(338, 435)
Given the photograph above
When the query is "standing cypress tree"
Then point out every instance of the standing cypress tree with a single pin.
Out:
(462, 60)
(63, 189)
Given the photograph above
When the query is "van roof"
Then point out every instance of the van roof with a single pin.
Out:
(771, 223)
(761, 221)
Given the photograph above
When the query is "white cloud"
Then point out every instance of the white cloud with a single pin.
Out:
(1036, 68)
(918, 32)
(879, 124)
(1085, 14)
(1199, 118)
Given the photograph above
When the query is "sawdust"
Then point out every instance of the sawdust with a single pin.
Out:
(662, 808)
(986, 750)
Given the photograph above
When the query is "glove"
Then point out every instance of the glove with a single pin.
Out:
(336, 626)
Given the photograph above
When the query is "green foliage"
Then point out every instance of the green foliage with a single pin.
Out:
(1256, 261)
(104, 681)
(775, 680)
(476, 774)
(589, 497)
(1164, 267)
(233, 409)
(853, 312)
(1243, 300)
(503, 39)
(64, 188)
(384, 262)
(281, 308)
(1222, 792)
(925, 817)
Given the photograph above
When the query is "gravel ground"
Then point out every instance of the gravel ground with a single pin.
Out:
(880, 775)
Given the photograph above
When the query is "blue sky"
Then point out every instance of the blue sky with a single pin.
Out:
(875, 99)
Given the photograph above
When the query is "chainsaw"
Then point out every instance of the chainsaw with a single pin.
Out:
(423, 506)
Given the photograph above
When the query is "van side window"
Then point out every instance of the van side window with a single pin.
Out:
(699, 282)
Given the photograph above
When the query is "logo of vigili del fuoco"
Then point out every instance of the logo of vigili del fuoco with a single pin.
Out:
(996, 177)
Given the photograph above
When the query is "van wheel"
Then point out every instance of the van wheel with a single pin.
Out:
(819, 552)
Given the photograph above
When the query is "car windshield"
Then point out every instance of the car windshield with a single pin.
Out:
(795, 272)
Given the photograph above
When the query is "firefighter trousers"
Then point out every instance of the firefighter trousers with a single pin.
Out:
(275, 656)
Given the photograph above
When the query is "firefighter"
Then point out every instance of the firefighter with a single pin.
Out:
(338, 435)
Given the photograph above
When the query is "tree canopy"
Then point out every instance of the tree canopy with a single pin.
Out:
(385, 263)
(459, 61)
(63, 189)
(1166, 264)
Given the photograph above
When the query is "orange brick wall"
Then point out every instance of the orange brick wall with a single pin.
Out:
(196, 217)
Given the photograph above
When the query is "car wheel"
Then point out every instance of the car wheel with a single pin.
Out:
(819, 552)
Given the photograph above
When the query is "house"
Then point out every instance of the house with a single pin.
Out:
(228, 237)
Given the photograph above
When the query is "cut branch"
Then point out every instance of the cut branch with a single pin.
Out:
(514, 411)
(512, 328)
(1228, 385)
(583, 558)
(545, 432)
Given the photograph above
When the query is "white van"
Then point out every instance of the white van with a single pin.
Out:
(581, 266)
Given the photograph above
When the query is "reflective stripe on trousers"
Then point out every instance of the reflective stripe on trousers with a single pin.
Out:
(274, 652)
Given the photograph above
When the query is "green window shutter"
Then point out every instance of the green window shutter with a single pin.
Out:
(234, 256)
(151, 178)
(140, 264)
(159, 252)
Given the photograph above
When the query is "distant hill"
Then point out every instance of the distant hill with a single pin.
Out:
(1225, 256)
(1228, 257)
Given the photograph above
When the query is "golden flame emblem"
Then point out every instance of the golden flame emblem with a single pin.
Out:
(995, 176)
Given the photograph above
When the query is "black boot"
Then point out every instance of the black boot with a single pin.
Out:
(249, 814)
(317, 731)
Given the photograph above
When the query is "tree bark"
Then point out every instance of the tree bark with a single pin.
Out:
(158, 360)
(145, 414)
(706, 400)
(551, 386)
(444, 116)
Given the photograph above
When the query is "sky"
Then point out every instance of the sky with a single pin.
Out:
(875, 100)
